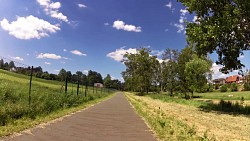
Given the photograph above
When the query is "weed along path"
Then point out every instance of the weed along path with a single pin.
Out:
(111, 120)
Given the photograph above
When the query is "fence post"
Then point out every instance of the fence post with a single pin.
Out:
(31, 73)
(66, 85)
(77, 91)
(86, 87)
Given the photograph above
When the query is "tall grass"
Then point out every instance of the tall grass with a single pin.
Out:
(14, 101)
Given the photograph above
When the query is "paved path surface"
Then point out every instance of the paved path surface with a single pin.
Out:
(111, 120)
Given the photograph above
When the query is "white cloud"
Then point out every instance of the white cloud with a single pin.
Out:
(157, 52)
(82, 5)
(51, 8)
(160, 60)
(180, 27)
(85, 72)
(106, 24)
(118, 54)
(28, 54)
(195, 18)
(29, 27)
(65, 50)
(77, 52)
(120, 25)
(170, 6)
(66, 58)
(242, 56)
(63, 62)
(47, 63)
(216, 72)
(48, 56)
(166, 30)
(17, 58)
(183, 12)
(182, 19)
(112, 77)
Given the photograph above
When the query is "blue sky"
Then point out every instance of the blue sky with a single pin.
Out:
(90, 35)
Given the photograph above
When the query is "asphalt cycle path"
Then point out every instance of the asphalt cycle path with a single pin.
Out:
(110, 120)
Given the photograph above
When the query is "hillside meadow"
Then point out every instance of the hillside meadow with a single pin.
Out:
(48, 101)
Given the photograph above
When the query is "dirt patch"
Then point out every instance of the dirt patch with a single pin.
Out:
(219, 126)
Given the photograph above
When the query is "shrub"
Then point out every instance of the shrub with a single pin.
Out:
(246, 87)
(223, 88)
(234, 87)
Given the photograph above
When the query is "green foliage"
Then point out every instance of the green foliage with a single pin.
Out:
(169, 70)
(195, 72)
(234, 87)
(94, 77)
(140, 68)
(247, 81)
(223, 88)
(246, 87)
(185, 56)
(221, 27)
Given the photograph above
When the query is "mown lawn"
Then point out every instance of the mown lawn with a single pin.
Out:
(179, 119)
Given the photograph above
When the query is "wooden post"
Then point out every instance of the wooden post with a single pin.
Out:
(31, 73)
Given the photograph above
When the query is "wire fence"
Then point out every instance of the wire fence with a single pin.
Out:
(22, 81)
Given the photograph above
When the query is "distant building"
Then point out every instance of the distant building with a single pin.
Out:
(98, 85)
(219, 81)
(13, 69)
(235, 78)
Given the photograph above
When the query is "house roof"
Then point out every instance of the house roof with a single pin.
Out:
(232, 78)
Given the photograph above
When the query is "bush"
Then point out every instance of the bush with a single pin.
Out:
(223, 88)
(234, 87)
(246, 86)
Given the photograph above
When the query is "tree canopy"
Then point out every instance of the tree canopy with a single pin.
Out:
(139, 70)
(222, 26)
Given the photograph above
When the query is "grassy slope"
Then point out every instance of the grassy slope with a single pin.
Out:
(202, 125)
(26, 123)
(47, 102)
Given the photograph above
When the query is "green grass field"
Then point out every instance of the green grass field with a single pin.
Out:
(47, 97)
(225, 95)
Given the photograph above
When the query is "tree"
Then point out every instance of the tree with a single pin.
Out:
(195, 72)
(69, 75)
(11, 65)
(1, 64)
(6, 66)
(246, 80)
(62, 75)
(222, 26)
(185, 56)
(107, 81)
(139, 70)
(94, 77)
(170, 70)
